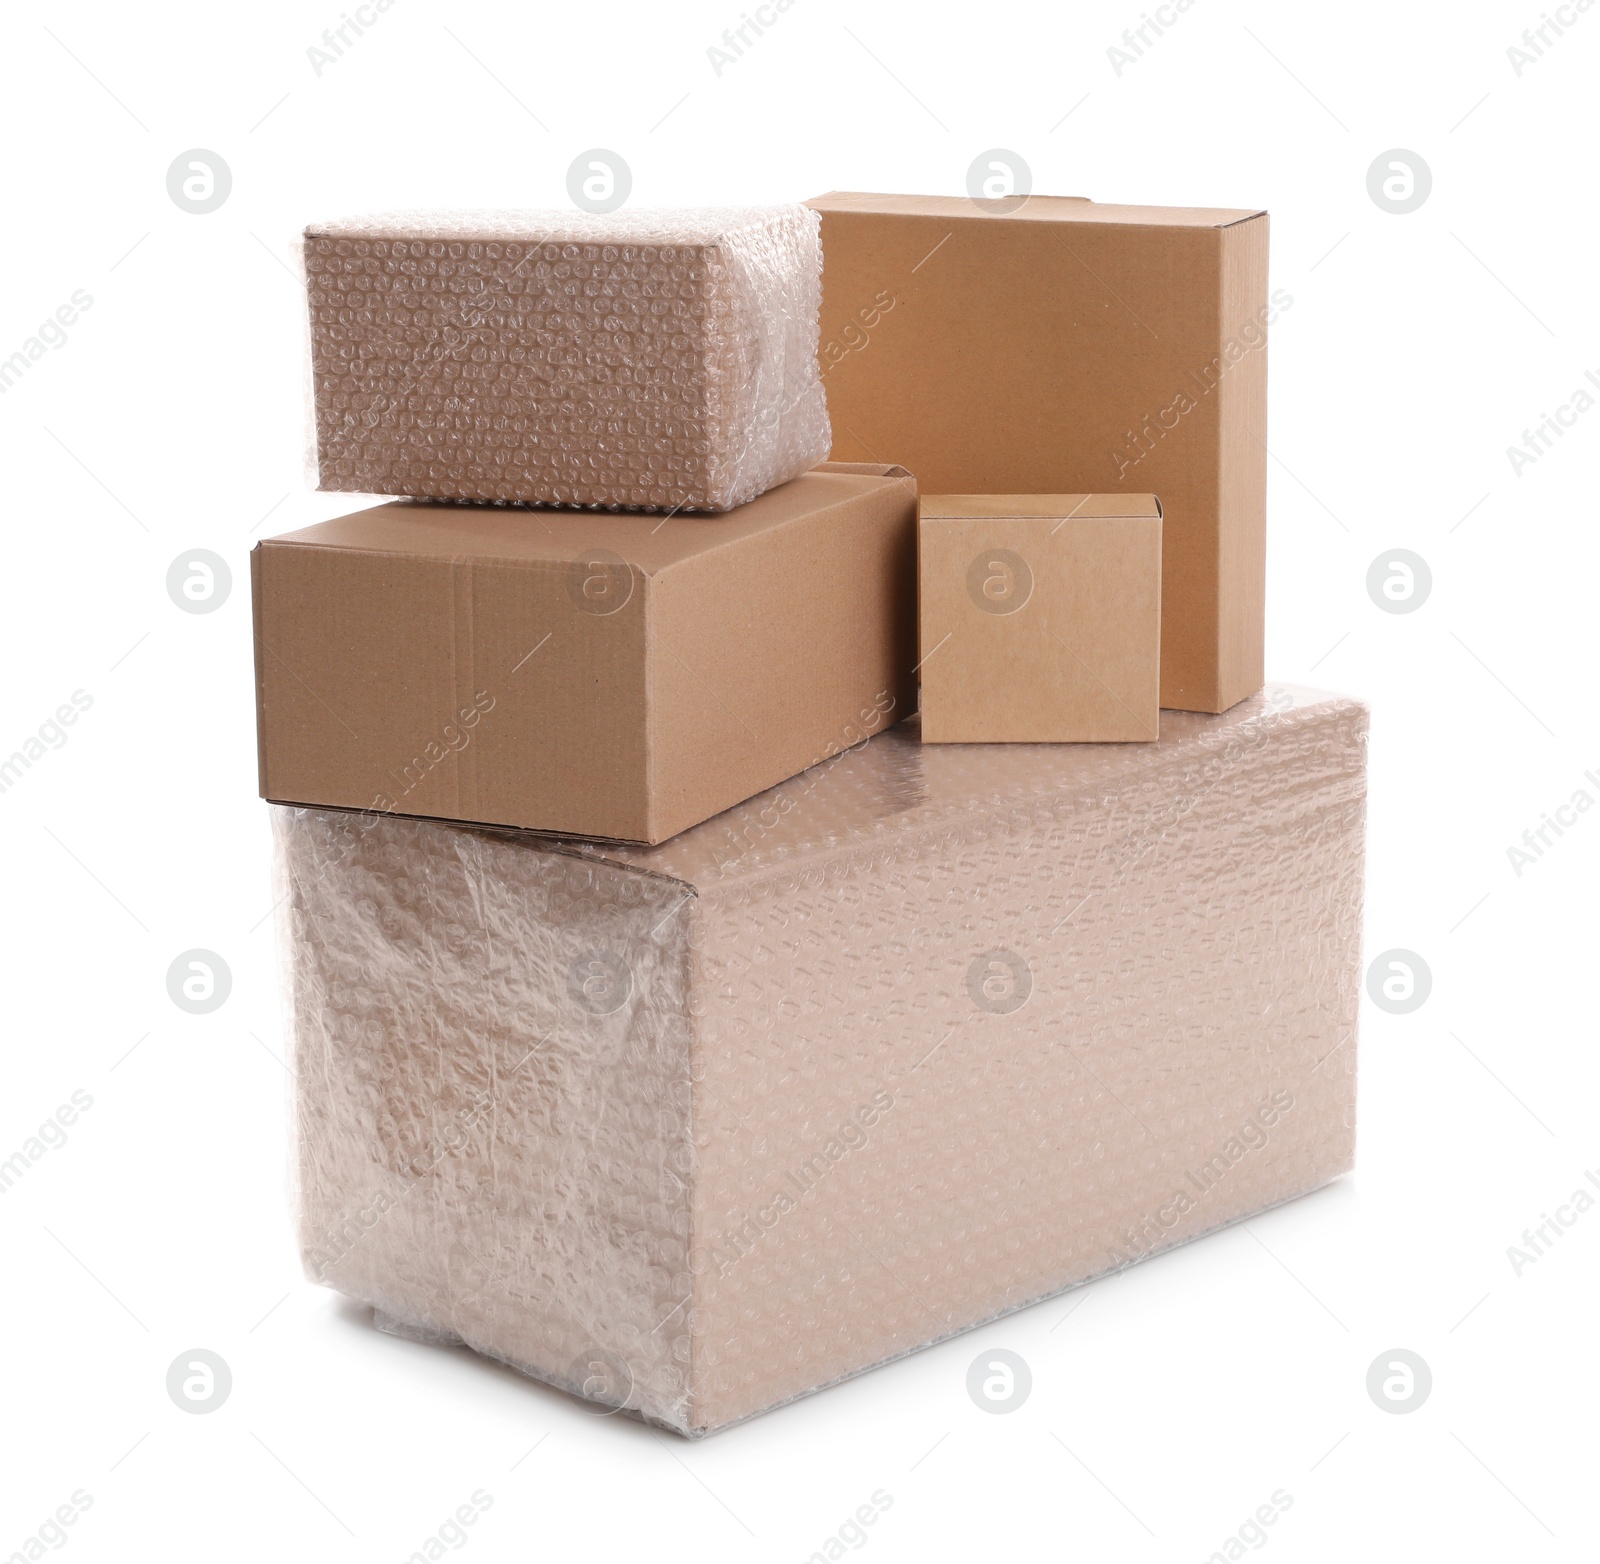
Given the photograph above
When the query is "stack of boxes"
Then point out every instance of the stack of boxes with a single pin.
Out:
(680, 1018)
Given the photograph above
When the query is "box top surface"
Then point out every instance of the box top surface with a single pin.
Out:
(893, 784)
(1034, 209)
(643, 225)
(964, 507)
(535, 536)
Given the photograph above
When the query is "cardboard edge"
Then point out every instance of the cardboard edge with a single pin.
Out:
(864, 469)
(875, 195)
(899, 476)
(1311, 699)
(1242, 564)
(293, 540)
(1039, 515)
(570, 843)
(257, 646)
(818, 204)
(891, 478)
(1160, 520)
(655, 833)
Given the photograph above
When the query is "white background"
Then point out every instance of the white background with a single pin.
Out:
(1167, 1403)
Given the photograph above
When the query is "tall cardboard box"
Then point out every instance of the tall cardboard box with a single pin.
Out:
(1064, 346)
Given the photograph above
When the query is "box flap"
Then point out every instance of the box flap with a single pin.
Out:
(864, 469)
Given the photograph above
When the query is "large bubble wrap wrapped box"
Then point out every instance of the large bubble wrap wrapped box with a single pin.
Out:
(918, 1038)
(662, 360)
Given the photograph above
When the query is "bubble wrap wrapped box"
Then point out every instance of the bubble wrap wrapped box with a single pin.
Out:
(918, 1038)
(666, 360)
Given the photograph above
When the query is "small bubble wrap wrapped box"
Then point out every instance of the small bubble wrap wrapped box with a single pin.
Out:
(659, 360)
(916, 1039)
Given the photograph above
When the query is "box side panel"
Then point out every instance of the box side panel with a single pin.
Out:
(511, 694)
(998, 357)
(493, 1105)
(775, 401)
(1247, 313)
(1039, 631)
(771, 654)
(564, 372)
(258, 657)
(950, 1076)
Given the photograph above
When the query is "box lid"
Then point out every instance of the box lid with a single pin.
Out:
(964, 507)
(536, 535)
(1034, 209)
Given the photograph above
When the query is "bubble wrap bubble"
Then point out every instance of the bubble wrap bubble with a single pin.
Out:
(662, 360)
(920, 1037)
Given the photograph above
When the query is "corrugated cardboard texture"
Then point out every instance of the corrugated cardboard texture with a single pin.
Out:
(1040, 617)
(1067, 346)
(923, 1036)
(599, 675)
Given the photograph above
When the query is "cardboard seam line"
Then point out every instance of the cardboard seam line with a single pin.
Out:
(652, 825)
(464, 774)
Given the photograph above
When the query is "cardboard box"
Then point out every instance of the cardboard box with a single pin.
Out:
(922, 1037)
(595, 675)
(631, 358)
(1062, 346)
(1040, 617)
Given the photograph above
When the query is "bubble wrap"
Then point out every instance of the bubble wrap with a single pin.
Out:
(920, 1037)
(660, 360)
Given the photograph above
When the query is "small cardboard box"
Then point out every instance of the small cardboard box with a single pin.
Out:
(1040, 617)
(1054, 345)
(616, 676)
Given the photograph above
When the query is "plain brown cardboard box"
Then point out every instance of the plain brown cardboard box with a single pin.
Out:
(617, 676)
(1040, 617)
(1064, 346)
